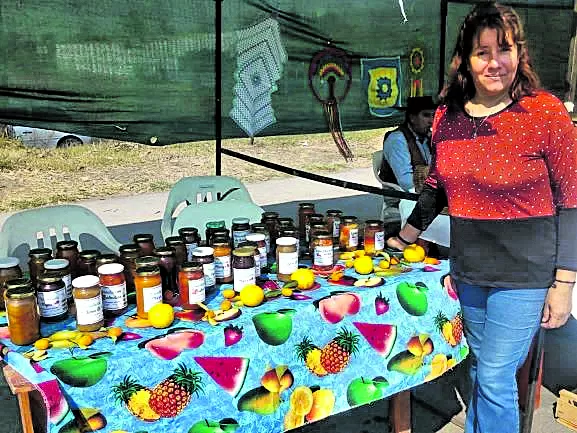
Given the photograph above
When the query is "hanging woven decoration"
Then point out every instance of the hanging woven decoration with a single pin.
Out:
(330, 80)
(259, 65)
(416, 64)
(381, 79)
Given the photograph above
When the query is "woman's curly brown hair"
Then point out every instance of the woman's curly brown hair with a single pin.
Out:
(460, 87)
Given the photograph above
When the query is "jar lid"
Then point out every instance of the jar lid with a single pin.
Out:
(269, 214)
(106, 258)
(147, 261)
(215, 224)
(372, 223)
(66, 245)
(9, 262)
(316, 216)
(255, 237)
(220, 239)
(191, 267)
(173, 240)
(187, 231)
(243, 252)
(89, 254)
(203, 251)
(148, 271)
(349, 218)
(258, 226)
(142, 237)
(285, 221)
(250, 244)
(17, 283)
(286, 241)
(334, 212)
(323, 234)
(55, 264)
(289, 232)
(307, 205)
(110, 268)
(164, 251)
(85, 281)
(40, 253)
(318, 225)
(50, 277)
(129, 248)
(19, 292)
(240, 220)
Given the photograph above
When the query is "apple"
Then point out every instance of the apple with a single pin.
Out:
(413, 298)
(362, 391)
(274, 328)
(83, 371)
(335, 307)
(369, 282)
(227, 425)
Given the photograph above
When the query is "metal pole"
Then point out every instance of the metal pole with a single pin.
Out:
(218, 85)
(572, 64)
(443, 43)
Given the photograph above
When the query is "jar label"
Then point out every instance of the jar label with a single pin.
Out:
(353, 237)
(243, 277)
(196, 291)
(222, 267)
(67, 280)
(379, 241)
(53, 303)
(89, 311)
(288, 262)
(257, 266)
(307, 232)
(262, 258)
(114, 297)
(209, 274)
(189, 249)
(336, 227)
(267, 242)
(323, 255)
(151, 296)
(239, 236)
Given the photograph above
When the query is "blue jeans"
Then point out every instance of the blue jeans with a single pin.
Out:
(499, 325)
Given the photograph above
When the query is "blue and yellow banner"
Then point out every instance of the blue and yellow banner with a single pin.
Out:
(382, 82)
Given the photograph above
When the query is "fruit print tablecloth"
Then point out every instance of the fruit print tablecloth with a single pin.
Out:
(289, 361)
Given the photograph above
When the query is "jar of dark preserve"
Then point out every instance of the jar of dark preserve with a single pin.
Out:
(205, 256)
(87, 262)
(243, 267)
(168, 274)
(68, 250)
(285, 222)
(305, 209)
(145, 241)
(9, 270)
(37, 258)
(177, 243)
(128, 255)
(52, 297)
(103, 259)
(191, 239)
(130, 248)
(334, 223)
(270, 220)
(261, 228)
(314, 218)
(240, 228)
(254, 246)
(211, 227)
(258, 239)
(62, 268)
(143, 261)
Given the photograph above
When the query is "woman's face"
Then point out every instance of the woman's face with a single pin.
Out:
(493, 66)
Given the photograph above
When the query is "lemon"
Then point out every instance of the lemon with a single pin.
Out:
(363, 265)
(42, 344)
(384, 264)
(228, 293)
(305, 278)
(161, 316)
(414, 253)
(251, 295)
(286, 292)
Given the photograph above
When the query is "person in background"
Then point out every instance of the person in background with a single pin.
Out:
(505, 160)
(407, 149)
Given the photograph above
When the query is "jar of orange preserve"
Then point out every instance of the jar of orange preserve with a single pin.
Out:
(113, 285)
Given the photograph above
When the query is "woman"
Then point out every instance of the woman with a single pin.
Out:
(505, 160)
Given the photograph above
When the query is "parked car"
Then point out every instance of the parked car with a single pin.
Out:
(36, 137)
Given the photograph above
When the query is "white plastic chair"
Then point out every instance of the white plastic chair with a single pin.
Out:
(390, 209)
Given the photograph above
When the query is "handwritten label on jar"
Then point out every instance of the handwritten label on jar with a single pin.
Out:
(239, 236)
(196, 291)
(222, 267)
(67, 280)
(336, 227)
(151, 296)
(114, 297)
(243, 277)
(89, 311)
(257, 265)
(52, 304)
(189, 249)
(262, 258)
(288, 263)
(209, 274)
(353, 237)
(379, 241)
(323, 256)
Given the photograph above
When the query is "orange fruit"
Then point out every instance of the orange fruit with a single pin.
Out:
(286, 292)
(85, 340)
(42, 344)
(225, 305)
(115, 331)
(228, 293)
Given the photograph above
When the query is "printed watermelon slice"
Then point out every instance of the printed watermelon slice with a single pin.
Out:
(381, 337)
(229, 372)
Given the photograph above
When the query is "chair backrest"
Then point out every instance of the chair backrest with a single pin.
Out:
(43, 227)
(198, 215)
(201, 189)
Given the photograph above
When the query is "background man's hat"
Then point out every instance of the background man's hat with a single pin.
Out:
(416, 104)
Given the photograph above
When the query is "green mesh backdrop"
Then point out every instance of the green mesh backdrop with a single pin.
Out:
(133, 70)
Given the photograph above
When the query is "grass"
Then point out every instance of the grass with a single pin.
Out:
(31, 177)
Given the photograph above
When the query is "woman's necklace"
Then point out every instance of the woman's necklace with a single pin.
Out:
(476, 126)
(495, 108)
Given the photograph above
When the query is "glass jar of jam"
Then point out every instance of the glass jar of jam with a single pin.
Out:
(240, 228)
(168, 274)
(52, 297)
(68, 250)
(103, 259)
(220, 233)
(87, 262)
(61, 267)
(145, 241)
(314, 218)
(127, 259)
(191, 239)
(287, 258)
(374, 239)
(130, 248)
(191, 285)
(323, 257)
(147, 261)
(285, 222)
(243, 267)
(259, 240)
(180, 253)
(334, 223)
(261, 228)
(9, 270)
(305, 209)
(210, 228)
(205, 256)
(113, 285)
(37, 258)
(22, 312)
(314, 229)
(254, 246)
(349, 235)
(148, 283)
(222, 260)
(88, 302)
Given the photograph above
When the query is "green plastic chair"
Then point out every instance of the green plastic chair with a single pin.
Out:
(201, 189)
(43, 227)
(198, 215)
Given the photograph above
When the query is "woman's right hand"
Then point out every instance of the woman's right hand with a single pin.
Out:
(394, 243)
